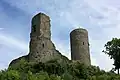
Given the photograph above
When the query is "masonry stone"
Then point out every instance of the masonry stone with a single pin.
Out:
(80, 46)
(41, 47)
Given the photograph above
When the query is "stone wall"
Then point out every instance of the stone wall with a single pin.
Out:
(80, 46)
(41, 47)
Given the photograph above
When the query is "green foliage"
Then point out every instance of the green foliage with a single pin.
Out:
(67, 76)
(9, 75)
(112, 48)
(55, 70)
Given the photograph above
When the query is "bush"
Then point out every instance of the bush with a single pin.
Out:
(55, 70)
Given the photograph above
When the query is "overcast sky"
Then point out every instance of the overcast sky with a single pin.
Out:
(100, 17)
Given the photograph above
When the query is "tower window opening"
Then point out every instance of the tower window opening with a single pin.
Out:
(43, 45)
(83, 43)
(34, 28)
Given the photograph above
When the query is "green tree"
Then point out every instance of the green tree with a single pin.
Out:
(112, 48)
(10, 75)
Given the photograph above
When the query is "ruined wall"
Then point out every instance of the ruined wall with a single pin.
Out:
(41, 47)
(80, 46)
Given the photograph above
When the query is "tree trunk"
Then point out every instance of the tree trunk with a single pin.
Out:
(118, 71)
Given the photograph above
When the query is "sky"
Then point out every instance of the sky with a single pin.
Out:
(100, 17)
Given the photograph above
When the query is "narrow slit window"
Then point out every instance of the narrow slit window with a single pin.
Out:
(43, 45)
(83, 43)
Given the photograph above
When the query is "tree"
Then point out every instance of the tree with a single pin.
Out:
(112, 48)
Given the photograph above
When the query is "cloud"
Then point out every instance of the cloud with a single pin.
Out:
(108, 10)
(100, 18)
(62, 46)
(3, 66)
(11, 48)
(11, 41)
(1, 28)
(71, 15)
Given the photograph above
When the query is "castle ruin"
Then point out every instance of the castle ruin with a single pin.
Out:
(80, 46)
(41, 48)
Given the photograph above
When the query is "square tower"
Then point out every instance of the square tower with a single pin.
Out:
(40, 26)
(41, 45)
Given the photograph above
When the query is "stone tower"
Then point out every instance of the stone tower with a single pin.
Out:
(41, 47)
(80, 46)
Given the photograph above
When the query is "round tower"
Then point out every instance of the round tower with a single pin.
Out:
(80, 46)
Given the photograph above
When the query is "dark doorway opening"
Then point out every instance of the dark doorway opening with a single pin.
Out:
(43, 45)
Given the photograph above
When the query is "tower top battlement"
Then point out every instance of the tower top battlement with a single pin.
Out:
(79, 30)
(39, 15)
(41, 26)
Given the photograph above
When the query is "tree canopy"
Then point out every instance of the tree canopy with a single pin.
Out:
(54, 70)
(112, 48)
